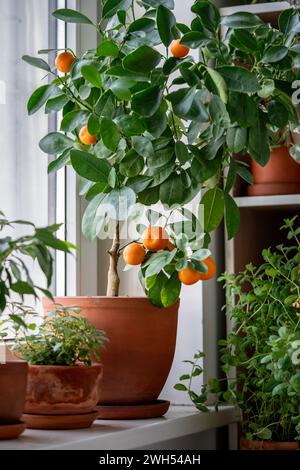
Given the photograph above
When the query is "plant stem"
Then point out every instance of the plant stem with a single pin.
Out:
(113, 281)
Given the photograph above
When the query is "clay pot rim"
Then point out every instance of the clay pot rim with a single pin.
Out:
(16, 362)
(107, 299)
(61, 367)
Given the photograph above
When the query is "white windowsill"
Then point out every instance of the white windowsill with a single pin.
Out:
(119, 435)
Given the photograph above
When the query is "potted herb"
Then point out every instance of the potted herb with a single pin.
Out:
(63, 381)
(15, 280)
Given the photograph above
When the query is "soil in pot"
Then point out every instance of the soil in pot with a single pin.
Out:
(281, 175)
(246, 444)
(13, 379)
(139, 356)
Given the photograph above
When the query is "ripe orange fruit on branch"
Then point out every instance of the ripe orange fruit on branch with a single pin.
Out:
(134, 254)
(64, 61)
(87, 138)
(212, 269)
(188, 276)
(155, 238)
(178, 50)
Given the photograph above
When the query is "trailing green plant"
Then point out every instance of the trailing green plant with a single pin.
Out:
(264, 347)
(160, 128)
(64, 338)
(37, 245)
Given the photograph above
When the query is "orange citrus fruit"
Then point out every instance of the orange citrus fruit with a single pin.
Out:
(212, 269)
(64, 61)
(87, 138)
(179, 50)
(155, 238)
(188, 276)
(134, 254)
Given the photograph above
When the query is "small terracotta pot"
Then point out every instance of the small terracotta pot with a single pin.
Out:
(139, 356)
(246, 444)
(67, 390)
(13, 379)
(281, 175)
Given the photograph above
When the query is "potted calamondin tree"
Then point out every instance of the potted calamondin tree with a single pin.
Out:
(140, 125)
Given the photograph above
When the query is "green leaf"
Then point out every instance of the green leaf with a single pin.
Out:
(121, 88)
(110, 134)
(158, 261)
(165, 22)
(143, 146)
(93, 218)
(267, 88)
(73, 119)
(242, 109)
(36, 62)
(274, 54)
(243, 40)
(182, 153)
(138, 183)
(241, 20)
(203, 169)
(147, 102)
(130, 125)
(278, 114)
(219, 83)
(258, 145)
(47, 237)
(39, 98)
(118, 202)
(111, 7)
(155, 3)
(132, 164)
(55, 143)
(90, 167)
(232, 216)
(92, 75)
(93, 124)
(171, 290)
(71, 16)
(194, 39)
(213, 202)
(141, 24)
(22, 288)
(182, 100)
(288, 21)
(236, 139)
(60, 162)
(239, 79)
(56, 104)
(144, 59)
(264, 434)
(108, 49)
(209, 14)
(180, 387)
(171, 191)
(218, 112)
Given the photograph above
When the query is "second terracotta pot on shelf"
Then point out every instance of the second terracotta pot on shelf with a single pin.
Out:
(246, 444)
(281, 175)
(138, 358)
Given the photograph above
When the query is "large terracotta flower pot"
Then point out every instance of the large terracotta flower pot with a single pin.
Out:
(138, 358)
(67, 390)
(13, 379)
(281, 175)
(246, 444)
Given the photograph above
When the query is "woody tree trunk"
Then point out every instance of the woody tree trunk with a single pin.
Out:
(113, 281)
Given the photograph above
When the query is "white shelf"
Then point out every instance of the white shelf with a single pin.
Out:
(269, 201)
(120, 435)
(257, 8)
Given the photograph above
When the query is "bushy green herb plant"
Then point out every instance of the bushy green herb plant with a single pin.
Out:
(64, 338)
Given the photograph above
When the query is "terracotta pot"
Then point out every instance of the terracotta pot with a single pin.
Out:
(57, 390)
(13, 378)
(281, 175)
(246, 444)
(138, 358)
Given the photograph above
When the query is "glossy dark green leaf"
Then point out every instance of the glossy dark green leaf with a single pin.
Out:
(60, 162)
(132, 164)
(141, 24)
(258, 145)
(194, 39)
(55, 143)
(144, 59)
(172, 191)
(111, 7)
(274, 54)
(218, 83)
(243, 40)
(182, 100)
(236, 139)
(39, 98)
(165, 20)
(159, 175)
(147, 102)
(155, 3)
(218, 112)
(232, 216)
(209, 14)
(108, 49)
(171, 290)
(278, 114)
(22, 288)
(93, 124)
(130, 125)
(213, 202)
(121, 88)
(90, 167)
(242, 109)
(110, 134)
(241, 20)
(56, 104)
(289, 21)
(182, 153)
(157, 123)
(71, 16)
(143, 146)
(36, 62)
(239, 79)
(74, 119)
(92, 75)
(138, 183)
(203, 169)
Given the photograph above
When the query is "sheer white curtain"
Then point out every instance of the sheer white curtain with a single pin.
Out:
(23, 167)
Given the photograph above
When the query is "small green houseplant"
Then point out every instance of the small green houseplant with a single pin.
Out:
(263, 349)
(15, 280)
(61, 356)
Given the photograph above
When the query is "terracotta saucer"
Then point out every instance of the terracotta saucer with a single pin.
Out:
(271, 189)
(140, 411)
(11, 431)
(60, 421)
